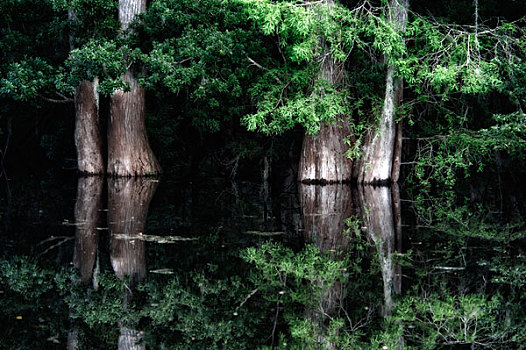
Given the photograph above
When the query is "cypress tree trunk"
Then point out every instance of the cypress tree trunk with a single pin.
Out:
(380, 163)
(129, 153)
(88, 140)
(323, 157)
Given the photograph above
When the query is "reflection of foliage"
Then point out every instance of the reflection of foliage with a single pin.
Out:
(508, 270)
(32, 316)
(300, 283)
(199, 312)
(102, 306)
(284, 272)
(25, 277)
(468, 265)
(438, 319)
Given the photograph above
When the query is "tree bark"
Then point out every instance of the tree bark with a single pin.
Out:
(323, 158)
(130, 339)
(129, 152)
(379, 157)
(88, 140)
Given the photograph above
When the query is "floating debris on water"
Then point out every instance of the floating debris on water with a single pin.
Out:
(165, 271)
(265, 233)
(154, 238)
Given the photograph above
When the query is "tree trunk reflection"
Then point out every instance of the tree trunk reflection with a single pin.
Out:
(325, 209)
(87, 217)
(383, 225)
(128, 202)
(88, 207)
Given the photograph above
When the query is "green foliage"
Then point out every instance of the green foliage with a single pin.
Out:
(199, 50)
(89, 19)
(25, 79)
(104, 60)
(294, 92)
(275, 115)
(442, 159)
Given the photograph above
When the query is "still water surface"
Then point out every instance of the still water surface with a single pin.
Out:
(91, 263)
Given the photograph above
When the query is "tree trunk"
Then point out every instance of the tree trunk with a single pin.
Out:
(128, 201)
(88, 139)
(379, 157)
(323, 158)
(129, 153)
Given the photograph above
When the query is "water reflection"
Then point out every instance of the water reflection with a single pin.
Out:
(382, 221)
(325, 211)
(128, 202)
(88, 208)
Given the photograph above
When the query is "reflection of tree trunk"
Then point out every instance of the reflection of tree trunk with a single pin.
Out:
(129, 153)
(397, 216)
(87, 218)
(325, 209)
(128, 201)
(323, 156)
(376, 207)
(129, 338)
(73, 340)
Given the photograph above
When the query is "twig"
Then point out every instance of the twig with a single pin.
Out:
(250, 295)
(65, 100)
(56, 245)
(254, 63)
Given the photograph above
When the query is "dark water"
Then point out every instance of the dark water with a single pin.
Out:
(212, 263)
